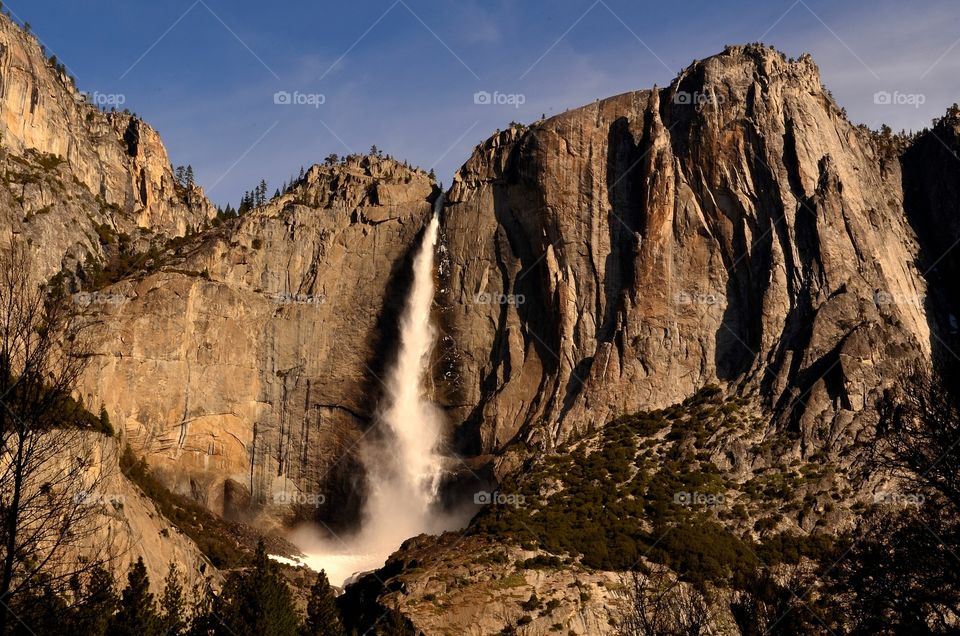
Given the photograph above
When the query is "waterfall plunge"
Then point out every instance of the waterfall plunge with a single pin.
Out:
(404, 466)
(404, 463)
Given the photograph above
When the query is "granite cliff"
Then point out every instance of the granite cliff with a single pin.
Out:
(732, 230)
(733, 227)
(245, 368)
(69, 167)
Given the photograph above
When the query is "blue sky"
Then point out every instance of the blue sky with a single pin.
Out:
(402, 74)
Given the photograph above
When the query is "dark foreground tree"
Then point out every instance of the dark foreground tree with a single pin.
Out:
(766, 606)
(173, 604)
(96, 603)
(900, 575)
(323, 617)
(257, 601)
(137, 615)
(50, 481)
(656, 603)
(899, 571)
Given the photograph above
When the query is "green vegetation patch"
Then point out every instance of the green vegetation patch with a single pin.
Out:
(214, 536)
(623, 494)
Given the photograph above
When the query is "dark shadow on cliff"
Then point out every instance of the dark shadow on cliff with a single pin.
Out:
(930, 169)
(746, 254)
(519, 209)
(345, 483)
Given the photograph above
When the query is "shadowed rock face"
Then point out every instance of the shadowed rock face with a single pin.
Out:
(931, 186)
(732, 227)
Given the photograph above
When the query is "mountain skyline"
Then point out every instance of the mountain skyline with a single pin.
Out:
(213, 76)
(677, 360)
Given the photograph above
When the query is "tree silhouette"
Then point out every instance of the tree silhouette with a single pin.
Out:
(173, 604)
(138, 613)
(323, 617)
(257, 602)
(97, 605)
(45, 515)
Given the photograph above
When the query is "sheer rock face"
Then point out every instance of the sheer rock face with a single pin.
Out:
(125, 524)
(931, 181)
(733, 227)
(257, 377)
(114, 166)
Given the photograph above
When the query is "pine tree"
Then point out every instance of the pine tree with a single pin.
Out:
(323, 618)
(105, 425)
(188, 176)
(97, 605)
(173, 604)
(179, 175)
(257, 602)
(204, 610)
(138, 612)
(38, 612)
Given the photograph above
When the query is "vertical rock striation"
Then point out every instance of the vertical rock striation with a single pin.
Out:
(732, 227)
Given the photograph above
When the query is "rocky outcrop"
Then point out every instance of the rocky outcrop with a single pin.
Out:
(122, 524)
(81, 167)
(732, 227)
(469, 585)
(250, 368)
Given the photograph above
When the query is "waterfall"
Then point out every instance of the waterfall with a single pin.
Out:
(403, 456)
(405, 464)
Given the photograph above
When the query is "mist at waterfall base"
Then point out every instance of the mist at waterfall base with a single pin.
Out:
(404, 463)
